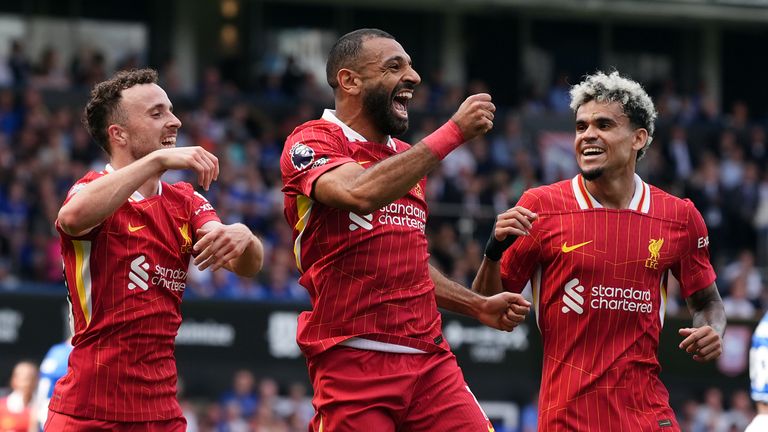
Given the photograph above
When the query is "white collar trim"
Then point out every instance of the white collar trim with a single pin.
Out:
(641, 199)
(352, 135)
(136, 196)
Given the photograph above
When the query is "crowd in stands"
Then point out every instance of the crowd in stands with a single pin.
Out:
(716, 159)
(261, 404)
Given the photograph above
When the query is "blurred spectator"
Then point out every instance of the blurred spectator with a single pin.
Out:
(297, 406)
(49, 72)
(242, 397)
(709, 416)
(16, 408)
(744, 268)
(736, 303)
(19, 64)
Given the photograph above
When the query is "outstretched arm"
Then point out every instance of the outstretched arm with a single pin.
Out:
(97, 200)
(352, 188)
(705, 339)
(503, 311)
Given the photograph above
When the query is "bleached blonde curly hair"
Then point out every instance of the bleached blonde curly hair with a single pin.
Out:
(603, 88)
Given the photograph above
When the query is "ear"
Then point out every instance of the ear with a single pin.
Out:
(117, 135)
(349, 81)
(641, 137)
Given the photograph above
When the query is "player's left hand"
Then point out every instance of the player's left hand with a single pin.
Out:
(504, 311)
(218, 245)
(704, 343)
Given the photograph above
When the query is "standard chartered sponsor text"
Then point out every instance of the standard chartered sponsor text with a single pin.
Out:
(168, 278)
(400, 214)
(624, 299)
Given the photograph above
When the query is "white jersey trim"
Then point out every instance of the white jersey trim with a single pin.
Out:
(372, 345)
(136, 196)
(352, 135)
(641, 198)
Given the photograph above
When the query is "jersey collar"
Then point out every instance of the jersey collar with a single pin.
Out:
(352, 135)
(641, 199)
(136, 196)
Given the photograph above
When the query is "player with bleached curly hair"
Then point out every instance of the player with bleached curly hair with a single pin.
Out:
(599, 249)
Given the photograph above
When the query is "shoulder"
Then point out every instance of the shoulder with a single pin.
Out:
(668, 206)
(181, 191)
(84, 180)
(552, 197)
(401, 144)
(314, 126)
(179, 187)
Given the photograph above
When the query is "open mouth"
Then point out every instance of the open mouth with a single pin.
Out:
(592, 152)
(400, 102)
(169, 141)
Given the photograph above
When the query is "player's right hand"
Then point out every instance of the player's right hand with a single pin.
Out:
(196, 158)
(475, 115)
(516, 221)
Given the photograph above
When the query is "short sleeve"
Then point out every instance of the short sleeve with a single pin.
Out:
(521, 259)
(694, 271)
(77, 187)
(309, 153)
(203, 211)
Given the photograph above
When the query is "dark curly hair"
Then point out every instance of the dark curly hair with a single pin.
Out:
(103, 107)
(345, 53)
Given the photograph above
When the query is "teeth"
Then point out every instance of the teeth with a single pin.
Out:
(405, 95)
(169, 140)
(591, 151)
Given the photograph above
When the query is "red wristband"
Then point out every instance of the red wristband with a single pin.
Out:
(446, 138)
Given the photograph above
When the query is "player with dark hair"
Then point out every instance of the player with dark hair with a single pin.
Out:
(355, 197)
(127, 240)
(598, 250)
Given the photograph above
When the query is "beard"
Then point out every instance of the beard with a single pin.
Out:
(378, 104)
(592, 174)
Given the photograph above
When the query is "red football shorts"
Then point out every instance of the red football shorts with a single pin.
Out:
(58, 422)
(359, 390)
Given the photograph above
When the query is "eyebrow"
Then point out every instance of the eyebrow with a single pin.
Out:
(597, 119)
(160, 106)
(398, 58)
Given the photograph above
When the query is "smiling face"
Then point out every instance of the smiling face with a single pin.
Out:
(149, 121)
(389, 81)
(606, 142)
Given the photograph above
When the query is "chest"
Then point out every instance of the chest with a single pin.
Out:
(621, 244)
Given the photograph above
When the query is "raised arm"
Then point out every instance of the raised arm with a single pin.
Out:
(97, 200)
(705, 339)
(350, 187)
(503, 311)
(509, 225)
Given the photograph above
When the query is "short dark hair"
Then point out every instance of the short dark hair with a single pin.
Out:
(103, 107)
(346, 51)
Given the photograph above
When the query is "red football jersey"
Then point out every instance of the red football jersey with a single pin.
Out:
(367, 275)
(126, 279)
(599, 289)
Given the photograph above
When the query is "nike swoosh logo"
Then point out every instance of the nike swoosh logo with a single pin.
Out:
(567, 248)
(132, 228)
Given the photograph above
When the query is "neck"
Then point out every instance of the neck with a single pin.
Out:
(357, 120)
(612, 192)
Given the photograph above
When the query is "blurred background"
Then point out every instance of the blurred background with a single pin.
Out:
(243, 73)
